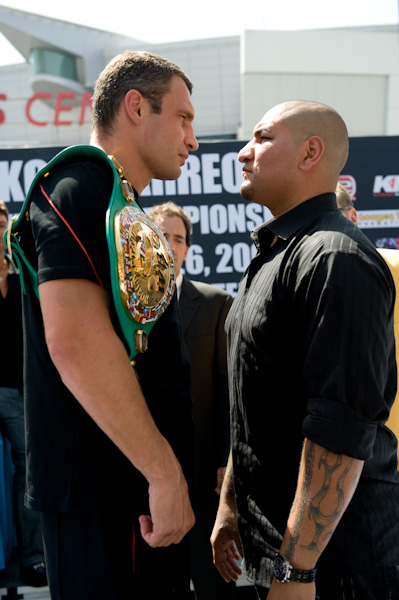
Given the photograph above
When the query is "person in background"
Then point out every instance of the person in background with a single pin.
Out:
(108, 442)
(345, 203)
(391, 257)
(311, 492)
(204, 309)
(12, 425)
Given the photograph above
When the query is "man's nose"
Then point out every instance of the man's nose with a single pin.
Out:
(172, 247)
(246, 152)
(191, 141)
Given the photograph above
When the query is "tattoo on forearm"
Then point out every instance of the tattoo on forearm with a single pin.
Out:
(324, 523)
(299, 504)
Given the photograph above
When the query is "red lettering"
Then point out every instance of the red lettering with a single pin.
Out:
(39, 96)
(2, 113)
(59, 108)
(86, 100)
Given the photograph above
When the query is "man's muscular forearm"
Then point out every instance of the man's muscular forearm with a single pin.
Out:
(94, 366)
(326, 484)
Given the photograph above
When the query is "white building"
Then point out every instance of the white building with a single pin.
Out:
(46, 101)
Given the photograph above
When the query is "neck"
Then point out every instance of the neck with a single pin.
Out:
(134, 172)
(300, 195)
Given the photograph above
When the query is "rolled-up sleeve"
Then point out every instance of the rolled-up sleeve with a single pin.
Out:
(349, 373)
(339, 428)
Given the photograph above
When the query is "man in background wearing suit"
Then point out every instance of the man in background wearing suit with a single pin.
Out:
(203, 309)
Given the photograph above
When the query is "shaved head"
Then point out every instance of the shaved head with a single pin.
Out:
(305, 119)
(297, 151)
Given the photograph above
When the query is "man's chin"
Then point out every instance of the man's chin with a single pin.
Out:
(246, 191)
(170, 176)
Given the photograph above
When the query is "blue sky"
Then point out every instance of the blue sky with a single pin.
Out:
(175, 20)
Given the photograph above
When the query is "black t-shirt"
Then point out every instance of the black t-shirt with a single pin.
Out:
(71, 464)
(311, 354)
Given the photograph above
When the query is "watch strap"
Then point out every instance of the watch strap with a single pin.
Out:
(303, 575)
(284, 572)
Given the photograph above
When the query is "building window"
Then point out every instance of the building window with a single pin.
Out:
(53, 62)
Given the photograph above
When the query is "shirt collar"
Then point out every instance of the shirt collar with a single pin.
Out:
(292, 221)
(179, 281)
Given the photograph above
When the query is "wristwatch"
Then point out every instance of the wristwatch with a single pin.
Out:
(284, 571)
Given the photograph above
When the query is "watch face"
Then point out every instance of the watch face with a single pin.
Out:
(280, 568)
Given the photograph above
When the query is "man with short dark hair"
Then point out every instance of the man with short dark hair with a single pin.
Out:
(204, 309)
(311, 494)
(108, 444)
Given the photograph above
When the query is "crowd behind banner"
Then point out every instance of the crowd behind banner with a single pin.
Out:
(208, 190)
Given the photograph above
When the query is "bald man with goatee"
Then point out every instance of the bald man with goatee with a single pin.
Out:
(310, 499)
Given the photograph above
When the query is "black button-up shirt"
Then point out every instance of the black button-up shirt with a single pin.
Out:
(311, 354)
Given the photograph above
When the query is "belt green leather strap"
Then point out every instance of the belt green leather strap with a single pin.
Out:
(141, 262)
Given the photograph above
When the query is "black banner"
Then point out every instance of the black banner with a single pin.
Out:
(372, 176)
(208, 190)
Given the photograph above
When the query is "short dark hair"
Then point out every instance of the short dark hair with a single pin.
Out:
(148, 73)
(4, 209)
(170, 209)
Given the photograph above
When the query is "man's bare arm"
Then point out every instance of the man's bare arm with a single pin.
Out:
(94, 366)
(225, 537)
(326, 484)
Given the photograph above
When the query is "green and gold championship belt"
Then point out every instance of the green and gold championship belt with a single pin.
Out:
(145, 273)
(141, 262)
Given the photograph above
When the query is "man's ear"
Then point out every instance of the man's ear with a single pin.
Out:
(353, 216)
(133, 102)
(314, 150)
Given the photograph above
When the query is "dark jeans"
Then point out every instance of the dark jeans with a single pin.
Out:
(376, 584)
(28, 522)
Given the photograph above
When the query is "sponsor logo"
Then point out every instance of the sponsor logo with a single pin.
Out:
(384, 218)
(349, 183)
(387, 243)
(386, 185)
